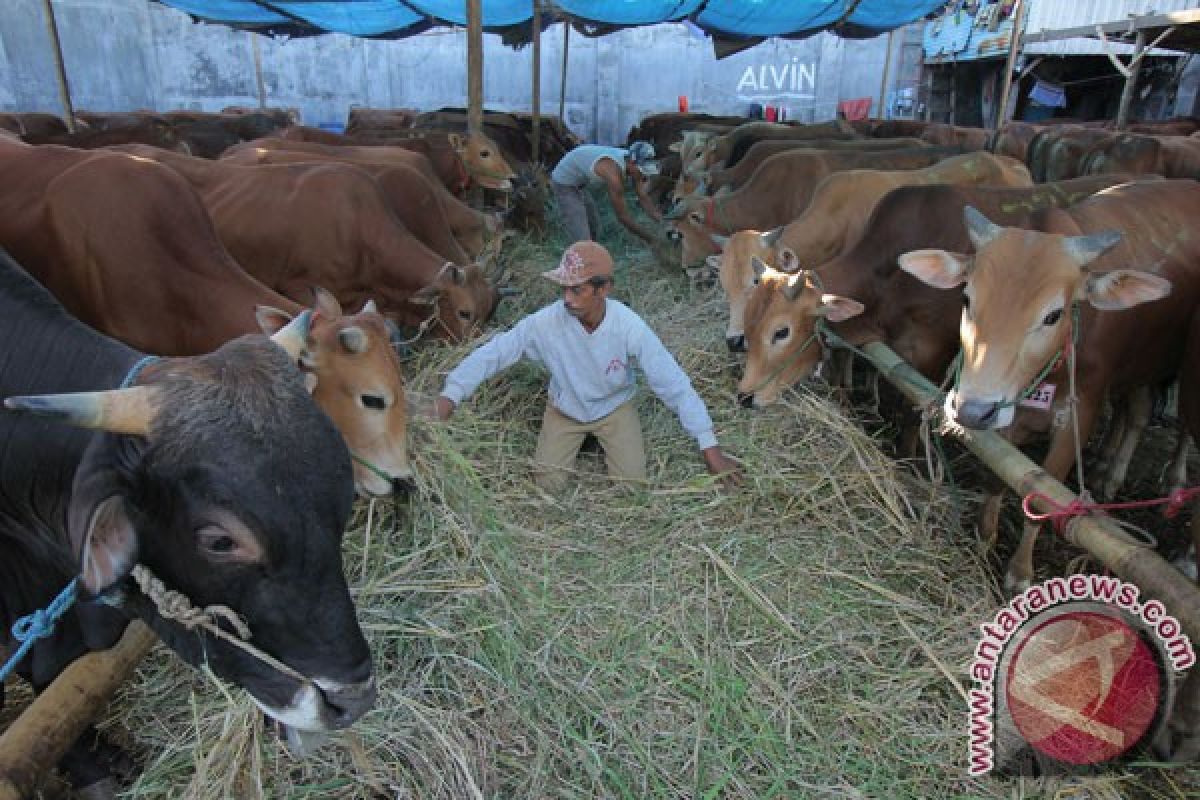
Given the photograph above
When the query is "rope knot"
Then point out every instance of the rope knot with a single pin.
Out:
(31, 627)
(1059, 515)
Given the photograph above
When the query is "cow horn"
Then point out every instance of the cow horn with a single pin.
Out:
(325, 304)
(1084, 249)
(369, 307)
(128, 411)
(293, 337)
(758, 266)
(980, 228)
(508, 291)
(720, 241)
(353, 338)
(769, 238)
(794, 285)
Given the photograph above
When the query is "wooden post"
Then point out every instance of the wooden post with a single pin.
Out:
(1098, 535)
(1135, 67)
(887, 64)
(537, 82)
(474, 66)
(64, 88)
(258, 78)
(562, 93)
(1014, 49)
(35, 742)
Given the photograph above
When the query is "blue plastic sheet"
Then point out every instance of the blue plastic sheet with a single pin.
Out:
(726, 18)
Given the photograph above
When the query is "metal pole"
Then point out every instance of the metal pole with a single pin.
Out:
(258, 78)
(474, 66)
(562, 94)
(537, 82)
(64, 88)
(887, 64)
(1135, 66)
(1014, 48)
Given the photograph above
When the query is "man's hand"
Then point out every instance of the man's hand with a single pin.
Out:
(720, 464)
(443, 408)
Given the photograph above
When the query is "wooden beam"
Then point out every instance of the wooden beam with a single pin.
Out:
(562, 92)
(1128, 27)
(537, 82)
(887, 64)
(38, 738)
(474, 66)
(258, 78)
(1135, 68)
(1014, 49)
(64, 88)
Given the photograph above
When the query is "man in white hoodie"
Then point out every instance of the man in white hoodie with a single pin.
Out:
(590, 343)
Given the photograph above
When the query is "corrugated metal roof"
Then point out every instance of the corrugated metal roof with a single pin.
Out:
(1047, 15)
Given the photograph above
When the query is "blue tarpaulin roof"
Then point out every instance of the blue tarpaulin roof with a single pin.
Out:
(730, 19)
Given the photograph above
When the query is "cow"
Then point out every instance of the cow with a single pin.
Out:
(843, 202)
(295, 226)
(511, 132)
(366, 120)
(469, 227)
(969, 139)
(215, 474)
(665, 129)
(1012, 139)
(34, 123)
(121, 242)
(917, 321)
(1169, 156)
(718, 178)
(779, 192)
(148, 130)
(1110, 283)
(727, 149)
(1055, 154)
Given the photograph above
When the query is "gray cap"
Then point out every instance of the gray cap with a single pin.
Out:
(642, 154)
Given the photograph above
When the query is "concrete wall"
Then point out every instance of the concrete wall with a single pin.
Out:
(127, 54)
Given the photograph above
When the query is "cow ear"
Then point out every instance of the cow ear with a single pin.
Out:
(695, 218)
(1125, 288)
(836, 308)
(788, 260)
(369, 307)
(759, 268)
(939, 268)
(325, 304)
(271, 320)
(109, 545)
(426, 296)
(456, 141)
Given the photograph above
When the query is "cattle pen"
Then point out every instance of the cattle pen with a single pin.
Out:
(805, 636)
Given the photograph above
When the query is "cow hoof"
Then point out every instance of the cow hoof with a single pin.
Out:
(103, 789)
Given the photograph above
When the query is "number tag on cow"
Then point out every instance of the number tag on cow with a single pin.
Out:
(1041, 398)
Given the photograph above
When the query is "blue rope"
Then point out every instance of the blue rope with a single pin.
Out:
(40, 624)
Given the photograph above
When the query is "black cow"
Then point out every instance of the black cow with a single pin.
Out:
(216, 472)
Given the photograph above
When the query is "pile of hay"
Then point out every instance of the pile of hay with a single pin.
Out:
(805, 636)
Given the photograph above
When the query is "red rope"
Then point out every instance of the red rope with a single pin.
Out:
(1175, 502)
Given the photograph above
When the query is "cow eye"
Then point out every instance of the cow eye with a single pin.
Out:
(1053, 317)
(373, 402)
(484, 153)
(464, 315)
(217, 542)
(781, 334)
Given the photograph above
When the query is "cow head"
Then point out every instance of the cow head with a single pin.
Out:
(483, 161)
(462, 300)
(530, 192)
(698, 241)
(1018, 293)
(358, 384)
(220, 475)
(738, 277)
(781, 324)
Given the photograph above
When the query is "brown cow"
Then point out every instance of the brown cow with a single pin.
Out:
(1169, 156)
(148, 130)
(918, 321)
(1056, 154)
(727, 149)
(129, 250)
(843, 202)
(779, 192)
(969, 139)
(295, 226)
(469, 227)
(1017, 317)
(365, 120)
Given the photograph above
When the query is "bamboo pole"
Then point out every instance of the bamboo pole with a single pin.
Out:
(1135, 67)
(474, 67)
(35, 742)
(1098, 535)
(537, 82)
(562, 92)
(1014, 49)
(64, 88)
(887, 65)
(258, 76)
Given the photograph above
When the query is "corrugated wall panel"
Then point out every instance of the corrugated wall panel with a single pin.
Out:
(1055, 14)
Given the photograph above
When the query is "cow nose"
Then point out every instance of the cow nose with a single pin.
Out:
(736, 344)
(674, 235)
(403, 485)
(346, 703)
(977, 414)
(745, 400)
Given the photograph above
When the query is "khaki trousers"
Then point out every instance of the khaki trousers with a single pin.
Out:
(620, 434)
